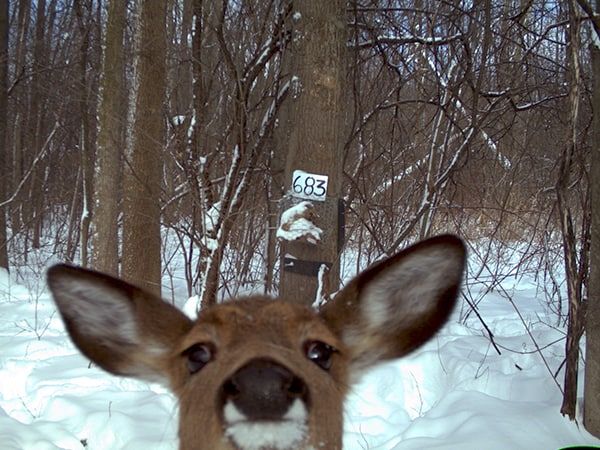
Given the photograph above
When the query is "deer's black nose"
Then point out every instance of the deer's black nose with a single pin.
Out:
(263, 390)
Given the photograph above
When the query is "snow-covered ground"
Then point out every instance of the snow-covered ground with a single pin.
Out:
(456, 392)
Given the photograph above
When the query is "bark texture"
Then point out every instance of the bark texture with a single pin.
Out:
(143, 166)
(3, 120)
(591, 411)
(316, 132)
(110, 145)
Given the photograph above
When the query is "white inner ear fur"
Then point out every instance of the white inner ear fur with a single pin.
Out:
(97, 310)
(410, 288)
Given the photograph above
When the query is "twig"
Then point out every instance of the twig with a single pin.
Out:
(34, 163)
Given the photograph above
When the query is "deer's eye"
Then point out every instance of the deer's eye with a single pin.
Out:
(199, 355)
(320, 353)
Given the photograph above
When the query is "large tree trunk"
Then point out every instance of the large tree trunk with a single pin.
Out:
(591, 412)
(3, 144)
(316, 138)
(143, 167)
(110, 144)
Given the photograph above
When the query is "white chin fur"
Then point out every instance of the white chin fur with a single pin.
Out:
(286, 434)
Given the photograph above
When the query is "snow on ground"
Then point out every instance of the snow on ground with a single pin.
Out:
(455, 392)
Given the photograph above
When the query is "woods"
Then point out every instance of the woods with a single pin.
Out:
(157, 142)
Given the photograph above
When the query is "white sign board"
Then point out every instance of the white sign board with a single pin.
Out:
(309, 185)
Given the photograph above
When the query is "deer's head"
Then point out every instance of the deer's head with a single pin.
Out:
(256, 373)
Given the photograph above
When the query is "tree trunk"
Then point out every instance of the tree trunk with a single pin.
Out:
(3, 143)
(316, 138)
(575, 266)
(591, 410)
(274, 184)
(35, 205)
(141, 206)
(110, 144)
(87, 153)
(73, 229)
(21, 115)
(273, 188)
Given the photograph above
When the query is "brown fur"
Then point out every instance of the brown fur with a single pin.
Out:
(255, 326)
(385, 312)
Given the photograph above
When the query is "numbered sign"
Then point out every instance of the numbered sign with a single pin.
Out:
(309, 185)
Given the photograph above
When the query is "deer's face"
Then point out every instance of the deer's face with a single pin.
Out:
(273, 373)
(258, 373)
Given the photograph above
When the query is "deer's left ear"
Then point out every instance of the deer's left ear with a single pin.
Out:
(397, 305)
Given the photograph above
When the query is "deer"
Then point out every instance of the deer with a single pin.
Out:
(257, 373)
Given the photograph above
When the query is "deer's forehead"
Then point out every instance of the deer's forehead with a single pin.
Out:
(258, 318)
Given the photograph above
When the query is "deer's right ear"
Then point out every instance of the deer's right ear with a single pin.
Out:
(397, 305)
(120, 327)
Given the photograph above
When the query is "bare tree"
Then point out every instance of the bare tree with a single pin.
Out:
(591, 403)
(576, 265)
(144, 160)
(33, 208)
(457, 122)
(108, 173)
(83, 10)
(3, 123)
(316, 139)
(219, 147)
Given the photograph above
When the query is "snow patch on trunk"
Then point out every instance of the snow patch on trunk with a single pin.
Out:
(297, 224)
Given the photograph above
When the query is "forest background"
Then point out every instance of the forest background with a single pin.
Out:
(155, 139)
